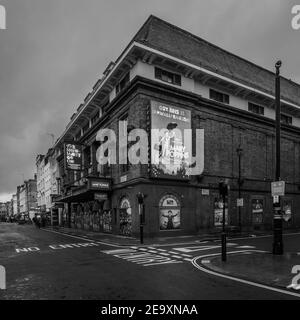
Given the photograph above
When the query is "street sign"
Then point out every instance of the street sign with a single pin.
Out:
(240, 202)
(205, 192)
(278, 188)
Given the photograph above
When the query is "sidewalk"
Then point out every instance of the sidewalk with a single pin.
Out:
(132, 241)
(260, 267)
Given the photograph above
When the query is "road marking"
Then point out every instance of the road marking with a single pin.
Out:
(81, 238)
(197, 248)
(246, 247)
(186, 259)
(163, 250)
(152, 251)
(141, 258)
(252, 283)
(177, 257)
(202, 248)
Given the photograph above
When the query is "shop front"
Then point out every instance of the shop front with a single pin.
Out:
(88, 207)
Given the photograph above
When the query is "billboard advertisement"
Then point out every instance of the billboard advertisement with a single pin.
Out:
(73, 156)
(170, 156)
(169, 213)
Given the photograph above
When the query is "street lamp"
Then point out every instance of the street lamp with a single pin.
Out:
(239, 151)
(277, 224)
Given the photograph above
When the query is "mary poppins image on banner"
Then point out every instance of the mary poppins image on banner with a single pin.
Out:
(170, 157)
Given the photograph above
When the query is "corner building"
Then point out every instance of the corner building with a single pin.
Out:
(165, 68)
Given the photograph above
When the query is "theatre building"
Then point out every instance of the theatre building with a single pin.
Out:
(167, 78)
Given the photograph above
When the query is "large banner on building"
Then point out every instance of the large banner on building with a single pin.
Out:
(170, 157)
(73, 156)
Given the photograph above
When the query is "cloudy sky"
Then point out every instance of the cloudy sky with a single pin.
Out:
(53, 52)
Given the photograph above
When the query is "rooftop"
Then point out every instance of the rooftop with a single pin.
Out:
(170, 39)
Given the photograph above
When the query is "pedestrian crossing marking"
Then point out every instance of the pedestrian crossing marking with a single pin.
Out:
(178, 257)
(141, 258)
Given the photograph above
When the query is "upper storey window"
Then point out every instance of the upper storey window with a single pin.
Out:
(218, 96)
(286, 119)
(255, 108)
(167, 76)
(122, 84)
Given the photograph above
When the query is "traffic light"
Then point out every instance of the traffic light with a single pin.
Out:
(140, 197)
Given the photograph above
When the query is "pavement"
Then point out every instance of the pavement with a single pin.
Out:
(133, 241)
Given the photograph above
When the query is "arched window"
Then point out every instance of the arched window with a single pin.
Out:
(169, 213)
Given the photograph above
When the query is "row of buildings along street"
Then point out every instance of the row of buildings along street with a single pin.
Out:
(167, 76)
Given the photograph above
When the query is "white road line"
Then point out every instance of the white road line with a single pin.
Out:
(159, 263)
(85, 239)
(189, 260)
(165, 254)
(186, 255)
(161, 250)
(255, 284)
(151, 248)
(177, 257)
(142, 249)
(173, 252)
(117, 251)
(152, 251)
(246, 247)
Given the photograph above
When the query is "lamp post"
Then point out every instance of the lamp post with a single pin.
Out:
(239, 151)
(277, 224)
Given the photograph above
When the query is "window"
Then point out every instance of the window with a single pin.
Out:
(78, 135)
(122, 84)
(95, 117)
(85, 128)
(218, 96)
(256, 108)
(286, 119)
(167, 76)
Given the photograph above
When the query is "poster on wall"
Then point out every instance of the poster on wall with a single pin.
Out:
(169, 155)
(169, 209)
(257, 210)
(287, 210)
(218, 212)
(125, 217)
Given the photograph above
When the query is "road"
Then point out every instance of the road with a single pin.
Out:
(42, 264)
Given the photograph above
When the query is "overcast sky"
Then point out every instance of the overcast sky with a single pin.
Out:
(53, 52)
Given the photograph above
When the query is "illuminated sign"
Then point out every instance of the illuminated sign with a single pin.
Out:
(73, 156)
(99, 185)
(170, 157)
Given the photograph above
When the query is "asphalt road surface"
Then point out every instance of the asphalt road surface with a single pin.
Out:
(42, 264)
